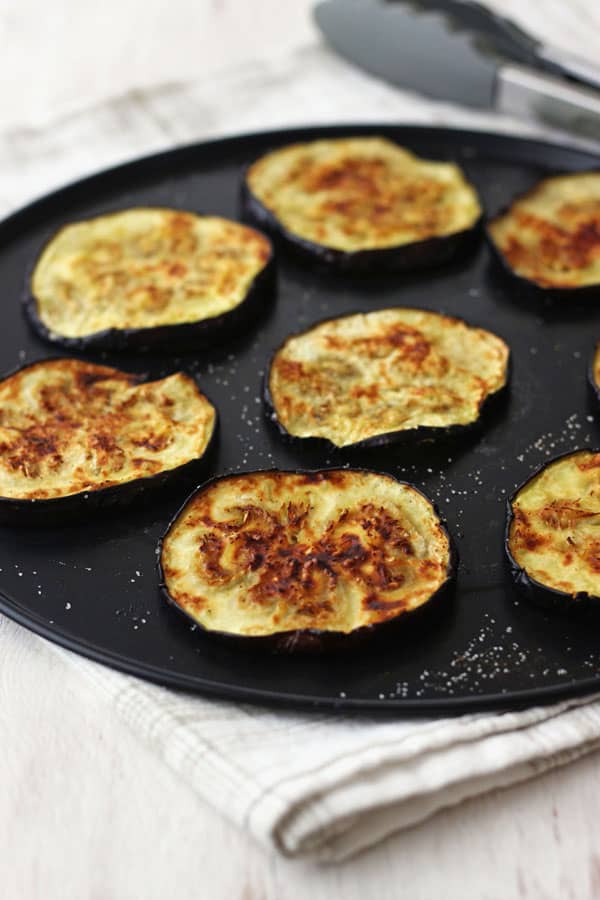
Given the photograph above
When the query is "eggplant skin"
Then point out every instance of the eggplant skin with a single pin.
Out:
(594, 374)
(76, 437)
(548, 240)
(149, 279)
(552, 551)
(305, 561)
(394, 375)
(362, 205)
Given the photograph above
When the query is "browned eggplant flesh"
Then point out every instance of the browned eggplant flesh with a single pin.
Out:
(386, 375)
(69, 427)
(553, 534)
(280, 555)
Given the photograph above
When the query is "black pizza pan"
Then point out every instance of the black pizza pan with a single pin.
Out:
(92, 586)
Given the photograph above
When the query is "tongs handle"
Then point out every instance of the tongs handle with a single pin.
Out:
(508, 39)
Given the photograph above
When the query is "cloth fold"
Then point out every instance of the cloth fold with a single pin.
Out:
(329, 786)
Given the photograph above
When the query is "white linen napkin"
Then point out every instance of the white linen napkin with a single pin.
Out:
(326, 786)
(308, 784)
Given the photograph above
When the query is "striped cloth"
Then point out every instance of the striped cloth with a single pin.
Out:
(305, 784)
(329, 786)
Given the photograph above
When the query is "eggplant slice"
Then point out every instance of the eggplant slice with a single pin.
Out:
(75, 435)
(363, 204)
(386, 376)
(143, 278)
(304, 560)
(549, 238)
(553, 532)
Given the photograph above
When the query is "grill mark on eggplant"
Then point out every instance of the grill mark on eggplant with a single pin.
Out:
(332, 551)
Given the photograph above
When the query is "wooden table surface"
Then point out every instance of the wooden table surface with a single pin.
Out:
(86, 810)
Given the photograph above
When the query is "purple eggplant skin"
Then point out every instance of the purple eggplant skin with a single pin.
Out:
(431, 252)
(183, 336)
(77, 507)
(530, 289)
(313, 641)
(534, 591)
(423, 434)
(591, 377)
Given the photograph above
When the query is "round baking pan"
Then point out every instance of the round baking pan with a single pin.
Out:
(93, 586)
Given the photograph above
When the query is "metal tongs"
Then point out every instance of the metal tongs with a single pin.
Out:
(468, 54)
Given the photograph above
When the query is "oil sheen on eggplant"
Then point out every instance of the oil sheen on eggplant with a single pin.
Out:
(363, 203)
(550, 236)
(389, 375)
(72, 430)
(304, 560)
(148, 276)
(553, 531)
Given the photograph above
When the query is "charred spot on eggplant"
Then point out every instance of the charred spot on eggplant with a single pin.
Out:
(74, 435)
(549, 238)
(304, 561)
(363, 204)
(149, 278)
(391, 375)
(553, 532)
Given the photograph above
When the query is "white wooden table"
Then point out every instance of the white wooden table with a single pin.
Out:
(86, 811)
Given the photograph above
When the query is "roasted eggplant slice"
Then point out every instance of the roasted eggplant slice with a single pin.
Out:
(363, 204)
(74, 435)
(386, 376)
(146, 278)
(304, 560)
(549, 238)
(553, 532)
